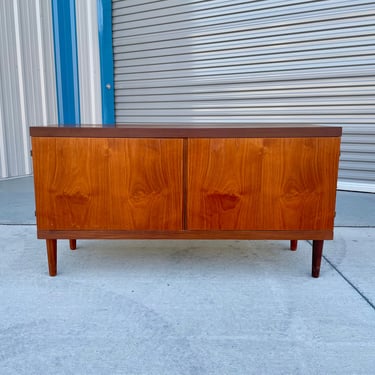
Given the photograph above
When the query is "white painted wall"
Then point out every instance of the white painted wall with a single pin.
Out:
(88, 61)
(27, 75)
(27, 80)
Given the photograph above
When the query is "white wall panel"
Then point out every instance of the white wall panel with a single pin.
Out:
(88, 61)
(27, 75)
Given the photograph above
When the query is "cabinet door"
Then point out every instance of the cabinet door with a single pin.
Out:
(262, 184)
(108, 184)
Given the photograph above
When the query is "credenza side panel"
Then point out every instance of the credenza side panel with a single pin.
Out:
(262, 184)
(108, 183)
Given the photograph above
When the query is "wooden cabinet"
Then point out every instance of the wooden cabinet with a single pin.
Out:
(108, 183)
(197, 181)
(273, 184)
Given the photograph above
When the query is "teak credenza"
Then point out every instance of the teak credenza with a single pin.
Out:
(208, 181)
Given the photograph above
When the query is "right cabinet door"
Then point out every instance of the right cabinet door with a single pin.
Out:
(262, 183)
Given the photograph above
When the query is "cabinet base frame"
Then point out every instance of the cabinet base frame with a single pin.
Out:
(186, 235)
(317, 247)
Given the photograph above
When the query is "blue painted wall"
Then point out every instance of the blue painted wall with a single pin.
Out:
(66, 61)
(106, 61)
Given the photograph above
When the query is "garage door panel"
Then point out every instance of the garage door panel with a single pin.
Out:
(268, 61)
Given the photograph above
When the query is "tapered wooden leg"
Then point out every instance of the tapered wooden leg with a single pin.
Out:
(73, 244)
(317, 253)
(293, 245)
(52, 256)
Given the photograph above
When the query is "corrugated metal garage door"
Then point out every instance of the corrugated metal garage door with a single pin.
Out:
(27, 80)
(264, 61)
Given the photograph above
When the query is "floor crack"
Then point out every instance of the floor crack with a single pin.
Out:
(347, 280)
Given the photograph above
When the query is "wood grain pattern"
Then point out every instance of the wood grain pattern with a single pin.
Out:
(117, 184)
(189, 234)
(262, 184)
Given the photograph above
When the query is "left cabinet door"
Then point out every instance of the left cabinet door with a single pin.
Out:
(108, 183)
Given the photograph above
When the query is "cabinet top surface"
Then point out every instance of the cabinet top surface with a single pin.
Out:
(193, 130)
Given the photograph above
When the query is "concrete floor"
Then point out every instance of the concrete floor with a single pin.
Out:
(186, 307)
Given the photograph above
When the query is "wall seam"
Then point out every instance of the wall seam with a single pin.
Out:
(21, 87)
